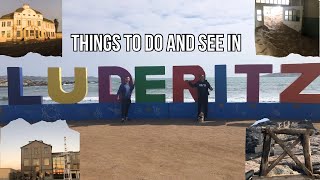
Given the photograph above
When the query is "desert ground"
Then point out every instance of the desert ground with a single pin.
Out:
(162, 149)
(45, 48)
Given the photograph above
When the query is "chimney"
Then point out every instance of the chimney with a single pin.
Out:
(26, 6)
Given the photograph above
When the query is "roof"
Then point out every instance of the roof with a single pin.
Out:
(21, 9)
(7, 16)
(47, 20)
(35, 141)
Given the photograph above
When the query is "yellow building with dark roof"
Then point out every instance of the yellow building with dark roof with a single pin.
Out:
(26, 24)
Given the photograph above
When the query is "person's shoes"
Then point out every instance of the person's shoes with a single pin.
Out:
(122, 120)
(201, 117)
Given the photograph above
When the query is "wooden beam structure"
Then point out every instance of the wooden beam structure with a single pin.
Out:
(303, 136)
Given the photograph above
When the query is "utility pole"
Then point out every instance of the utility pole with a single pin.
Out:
(67, 171)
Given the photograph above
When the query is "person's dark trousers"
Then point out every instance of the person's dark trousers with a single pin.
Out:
(125, 104)
(203, 106)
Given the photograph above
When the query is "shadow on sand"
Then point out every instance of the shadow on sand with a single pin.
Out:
(135, 122)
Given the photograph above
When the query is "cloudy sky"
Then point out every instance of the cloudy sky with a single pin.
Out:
(50, 9)
(151, 16)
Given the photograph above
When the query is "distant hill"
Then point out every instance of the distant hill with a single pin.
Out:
(42, 81)
(282, 75)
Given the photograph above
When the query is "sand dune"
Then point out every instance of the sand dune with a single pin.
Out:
(162, 151)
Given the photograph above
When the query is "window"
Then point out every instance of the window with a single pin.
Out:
(29, 23)
(46, 161)
(26, 162)
(8, 34)
(18, 34)
(3, 24)
(45, 149)
(292, 15)
(36, 150)
(258, 1)
(36, 162)
(31, 32)
(19, 22)
(39, 23)
(27, 33)
(3, 33)
(9, 23)
(259, 15)
(37, 33)
(40, 33)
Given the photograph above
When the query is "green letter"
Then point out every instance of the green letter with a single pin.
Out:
(142, 84)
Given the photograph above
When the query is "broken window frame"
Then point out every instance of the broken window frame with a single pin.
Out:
(292, 15)
(259, 15)
(279, 2)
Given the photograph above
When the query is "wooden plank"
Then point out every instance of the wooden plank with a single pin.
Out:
(274, 163)
(292, 131)
(295, 159)
(265, 154)
(307, 151)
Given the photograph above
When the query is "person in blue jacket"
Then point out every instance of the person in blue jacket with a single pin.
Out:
(124, 96)
(203, 88)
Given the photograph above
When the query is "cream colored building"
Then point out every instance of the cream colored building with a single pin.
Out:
(9, 174)
(26, 24)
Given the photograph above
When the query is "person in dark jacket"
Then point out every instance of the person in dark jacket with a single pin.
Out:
(203, 88)
(124, 96)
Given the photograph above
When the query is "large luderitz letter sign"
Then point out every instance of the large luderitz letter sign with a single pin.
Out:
(153, 105)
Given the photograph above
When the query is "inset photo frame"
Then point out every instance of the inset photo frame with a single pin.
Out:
(31, 26)
(283, 27)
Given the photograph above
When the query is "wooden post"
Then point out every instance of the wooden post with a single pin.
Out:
(306, 150)
(265, 154)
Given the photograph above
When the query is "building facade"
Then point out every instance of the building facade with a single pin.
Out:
(9, 174)
(36, 160)
(59, 161)
(26, 24)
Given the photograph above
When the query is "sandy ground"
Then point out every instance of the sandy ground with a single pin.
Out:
(45, 48)
(277, 39)
(162, 150)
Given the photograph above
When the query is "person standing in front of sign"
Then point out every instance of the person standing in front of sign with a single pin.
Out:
(124, 96)
(203, 88)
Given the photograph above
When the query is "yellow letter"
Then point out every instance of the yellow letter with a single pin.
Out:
(56, 92)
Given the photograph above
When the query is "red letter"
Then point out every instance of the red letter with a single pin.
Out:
(309, 72)
(179, 84)
(253, 72)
